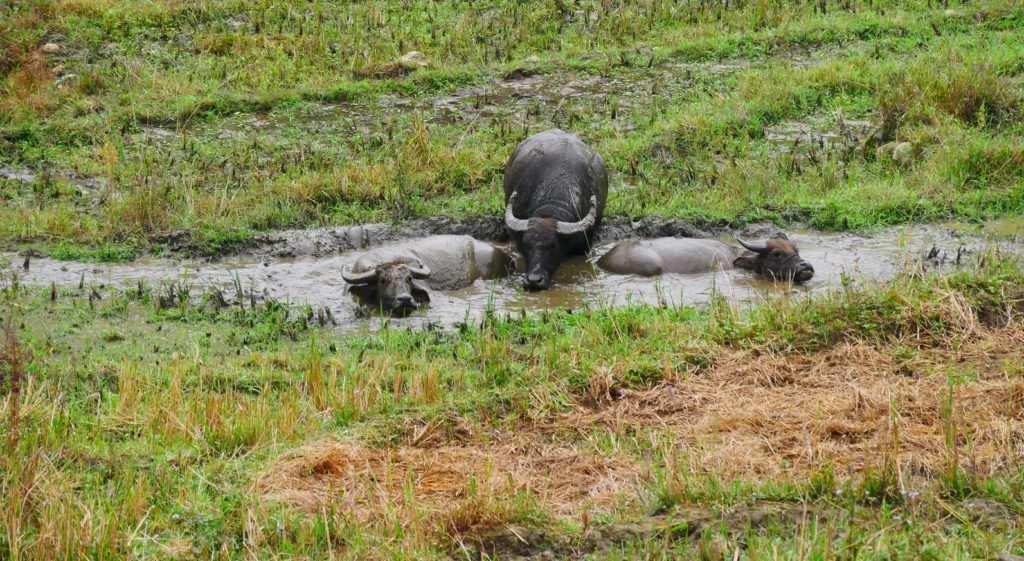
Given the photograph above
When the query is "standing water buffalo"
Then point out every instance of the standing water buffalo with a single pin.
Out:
(555, 190)
(392, 278)
(776, 259)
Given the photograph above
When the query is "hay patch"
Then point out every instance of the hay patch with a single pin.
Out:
(784, 416)
(440, 480)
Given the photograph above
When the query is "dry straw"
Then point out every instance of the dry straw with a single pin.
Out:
(440, 480)
(918, 405)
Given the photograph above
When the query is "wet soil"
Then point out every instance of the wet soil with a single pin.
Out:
(305, 268)
(524, 544)
(86, 186)
(818, 137)
(325, 241)
(519, 100)
(521, 97)
(514, 542)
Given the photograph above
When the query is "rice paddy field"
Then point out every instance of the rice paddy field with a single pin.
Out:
(182, 377)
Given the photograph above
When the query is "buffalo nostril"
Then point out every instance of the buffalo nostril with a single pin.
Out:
(404, 299)
(534, 278)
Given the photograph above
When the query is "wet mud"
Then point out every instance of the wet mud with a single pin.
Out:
(714, 529)
(86, 186)
(818, 137)
(525, 544)
(325, 241)
(309, 272)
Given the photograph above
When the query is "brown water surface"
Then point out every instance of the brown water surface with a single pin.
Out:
(838, 258)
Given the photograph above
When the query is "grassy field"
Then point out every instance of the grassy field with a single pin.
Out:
(131, 128)
(880, 422)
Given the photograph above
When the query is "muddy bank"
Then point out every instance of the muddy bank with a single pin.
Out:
(326, 241)
(305, 268)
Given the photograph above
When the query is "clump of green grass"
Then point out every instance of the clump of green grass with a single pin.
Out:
(948, 84)
(108, 252)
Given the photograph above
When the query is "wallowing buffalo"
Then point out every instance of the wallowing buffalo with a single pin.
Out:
(555, 192)
(777, 259)
(396, 278)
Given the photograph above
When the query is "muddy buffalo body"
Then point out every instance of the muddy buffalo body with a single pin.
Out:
(777, 259)
(555, 192)
(398, 278)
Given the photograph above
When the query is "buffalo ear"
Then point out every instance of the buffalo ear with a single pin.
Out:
(420, 291)
(745, 262)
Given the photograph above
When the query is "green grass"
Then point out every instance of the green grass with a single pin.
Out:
(946, 78)
(161, 418)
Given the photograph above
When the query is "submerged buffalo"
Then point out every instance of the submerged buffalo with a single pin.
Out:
(777, 259)
(396, 278)
(555, 191)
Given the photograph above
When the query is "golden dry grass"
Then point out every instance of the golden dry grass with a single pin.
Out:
(750, 416)
(369, 481)
(785, 415)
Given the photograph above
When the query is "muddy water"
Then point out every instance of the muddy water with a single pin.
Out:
(317, 280)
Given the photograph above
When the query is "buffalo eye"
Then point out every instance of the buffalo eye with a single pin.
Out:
(777, 254)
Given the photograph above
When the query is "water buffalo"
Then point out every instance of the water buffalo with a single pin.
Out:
(776, 259)
(555, 191)
(396, 278)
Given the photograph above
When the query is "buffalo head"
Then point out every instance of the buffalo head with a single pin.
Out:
(542, 242)
(777, 259)
(392, 284)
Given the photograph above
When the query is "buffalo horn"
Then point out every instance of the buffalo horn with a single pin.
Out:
(753, 247)
(568, 228)
(513, 223)
(359, 278)
(420, 272)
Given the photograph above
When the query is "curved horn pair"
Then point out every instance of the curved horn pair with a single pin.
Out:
(420, 272)
(564, 228)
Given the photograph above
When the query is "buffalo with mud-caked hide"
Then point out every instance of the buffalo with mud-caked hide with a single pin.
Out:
(555, 191)
(776, 259)
(398, 278)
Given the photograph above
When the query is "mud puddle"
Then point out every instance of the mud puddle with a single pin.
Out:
(817, 137)
(84, 185)
(839, 259)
